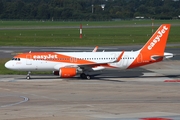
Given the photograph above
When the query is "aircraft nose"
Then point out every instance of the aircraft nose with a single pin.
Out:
(8, 65)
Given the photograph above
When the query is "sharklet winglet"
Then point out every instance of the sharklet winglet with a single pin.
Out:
(120, 57)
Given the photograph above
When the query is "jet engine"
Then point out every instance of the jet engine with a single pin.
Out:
(66, 72)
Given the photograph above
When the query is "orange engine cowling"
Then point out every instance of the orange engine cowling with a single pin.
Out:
(66, 72)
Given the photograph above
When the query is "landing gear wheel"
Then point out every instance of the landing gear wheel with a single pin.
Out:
(84, 76)
(88, 77)
(28, 75)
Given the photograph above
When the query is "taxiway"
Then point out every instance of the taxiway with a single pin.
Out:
(114, 95)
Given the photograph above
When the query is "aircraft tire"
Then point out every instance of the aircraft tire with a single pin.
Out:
(88, 77)
(83, 76)
(28, 77)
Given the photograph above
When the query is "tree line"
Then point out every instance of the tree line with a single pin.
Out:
(89, 9)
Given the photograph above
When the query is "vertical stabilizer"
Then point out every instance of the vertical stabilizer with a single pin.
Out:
(157, 43)
(153, 50)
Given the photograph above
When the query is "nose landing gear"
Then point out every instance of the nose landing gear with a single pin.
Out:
(28, 75)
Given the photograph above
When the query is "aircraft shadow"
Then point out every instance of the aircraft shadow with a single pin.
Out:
(106, 75)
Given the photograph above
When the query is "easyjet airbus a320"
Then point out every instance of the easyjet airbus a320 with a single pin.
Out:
(70, 64)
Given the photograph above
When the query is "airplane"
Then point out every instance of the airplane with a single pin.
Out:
(70, 64)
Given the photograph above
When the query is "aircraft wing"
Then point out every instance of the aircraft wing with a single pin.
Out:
(91, 65)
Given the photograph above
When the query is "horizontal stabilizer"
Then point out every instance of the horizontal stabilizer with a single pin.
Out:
(165, 56)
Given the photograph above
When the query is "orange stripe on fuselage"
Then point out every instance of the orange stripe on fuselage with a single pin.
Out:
(53, 57)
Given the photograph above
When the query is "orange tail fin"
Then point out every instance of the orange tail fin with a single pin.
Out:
(153, 50)
(157, 43)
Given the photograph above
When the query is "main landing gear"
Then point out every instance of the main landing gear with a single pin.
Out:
(28, 75)
(84, 76)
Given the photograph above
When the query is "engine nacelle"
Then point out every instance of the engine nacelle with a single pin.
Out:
(66, 72)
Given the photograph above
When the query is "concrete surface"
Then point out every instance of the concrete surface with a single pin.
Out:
(114, 95)
(110, 96)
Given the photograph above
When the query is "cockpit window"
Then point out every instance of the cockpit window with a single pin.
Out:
(16, 59)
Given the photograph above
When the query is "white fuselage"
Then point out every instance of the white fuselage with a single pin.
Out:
(44, 64)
